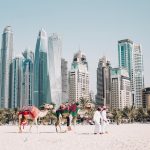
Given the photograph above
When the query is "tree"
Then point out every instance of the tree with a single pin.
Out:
(117, 115)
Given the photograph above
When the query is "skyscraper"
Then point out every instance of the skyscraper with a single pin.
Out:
(138, 75)
(54, 69)
(79, 78)
(5, 61)
(17, 80)
(40, 70)
(121, 88)
(28, 74)
(125, 56)
(130, 56)
(103, 96)
(64, 74)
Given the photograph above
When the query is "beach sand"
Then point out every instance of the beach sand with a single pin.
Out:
(120, 137)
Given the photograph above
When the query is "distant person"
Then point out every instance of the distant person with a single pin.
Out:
(104, 120)
(97, 119)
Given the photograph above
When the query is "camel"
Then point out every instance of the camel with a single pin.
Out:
(66, 112)
(32, 113)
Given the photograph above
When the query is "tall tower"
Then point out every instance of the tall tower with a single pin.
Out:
(6, 70)
(125, 56)
(40, 70)
(121, 88)
(79, 78)
(28, 72)
(64, 74)
(17, 80)
(138, 74)
(54, 69)
(103, 96)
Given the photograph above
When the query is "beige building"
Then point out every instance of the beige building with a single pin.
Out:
(79, 78)
(121, 89)
(146, 97)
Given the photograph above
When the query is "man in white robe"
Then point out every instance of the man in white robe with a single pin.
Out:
(97, 119)
(104, 120)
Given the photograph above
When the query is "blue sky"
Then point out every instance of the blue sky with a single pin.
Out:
(93, 25)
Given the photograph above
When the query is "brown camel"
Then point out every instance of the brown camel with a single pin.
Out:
(32, 113)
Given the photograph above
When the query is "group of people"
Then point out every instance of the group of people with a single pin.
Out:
(101, 121)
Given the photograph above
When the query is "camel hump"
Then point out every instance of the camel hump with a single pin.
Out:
(34, 111)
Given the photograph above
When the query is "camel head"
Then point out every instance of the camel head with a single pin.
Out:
(48, 106)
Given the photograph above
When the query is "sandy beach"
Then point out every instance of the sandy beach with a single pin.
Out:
(122, 137)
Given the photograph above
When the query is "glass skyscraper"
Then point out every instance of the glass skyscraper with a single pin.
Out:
(28, 72)
(40, 70)
(103, 96)
(6, 70)
(131, 57)
(54, 69)
(17, 78)
(125, 56)
(64, 74)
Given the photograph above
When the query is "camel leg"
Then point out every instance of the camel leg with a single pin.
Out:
(35, 120)
(20, 117)
(31, 126)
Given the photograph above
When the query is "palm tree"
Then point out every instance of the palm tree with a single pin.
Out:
(117, 116)
(141, 114)
(129, 113)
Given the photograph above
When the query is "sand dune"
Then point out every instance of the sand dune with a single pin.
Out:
(122, 137)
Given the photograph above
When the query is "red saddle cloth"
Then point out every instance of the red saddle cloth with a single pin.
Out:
(32, 110)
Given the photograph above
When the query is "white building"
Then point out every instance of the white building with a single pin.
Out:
(79, 78)
(121, 89)
(54, 69)
(138, 75)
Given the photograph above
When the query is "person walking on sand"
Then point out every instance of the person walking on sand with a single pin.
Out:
(97, 119)
(104, 120)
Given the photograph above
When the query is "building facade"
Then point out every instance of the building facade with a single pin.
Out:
(28, 77)
(54, 69)
(41, 70)
(6, 70)
(120, 88)
(79, 78)
(103, 96)
(130, 56)
(17, 78)
(146, 97)
(138, 75)
(64, 74)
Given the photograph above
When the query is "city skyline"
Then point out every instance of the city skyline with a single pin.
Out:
(94, 27)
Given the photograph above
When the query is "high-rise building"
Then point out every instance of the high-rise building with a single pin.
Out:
(130, 56)
(41, 70)
(17, 78)
(103, 96)
(28, 74)
(64, 74)
(146, 97)
(54, 69)
(79, 78)
(6, 70)
(125, 56)
(138, 75)
(121, 88)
